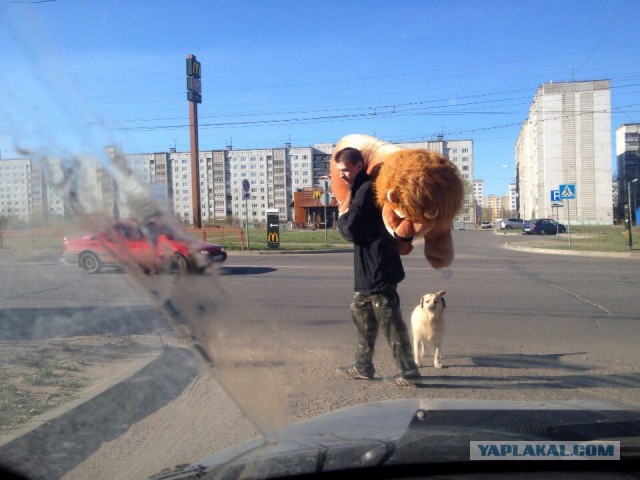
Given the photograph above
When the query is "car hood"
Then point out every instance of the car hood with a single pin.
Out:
(402, 433)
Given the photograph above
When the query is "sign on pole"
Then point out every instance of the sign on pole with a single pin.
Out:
(273, 228)
(246, 194)
(325, 199)
(568, 192)
(246, 189)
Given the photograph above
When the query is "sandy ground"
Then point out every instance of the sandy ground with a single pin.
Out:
(43, 379)
(197, 418)
(185, 430)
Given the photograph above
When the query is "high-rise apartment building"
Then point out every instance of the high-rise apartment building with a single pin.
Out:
(491, 208)
(566, 139)
(478, 191)
(272, 174)
(460, 152)
(628, 163)
(512, 199)
(21, 189)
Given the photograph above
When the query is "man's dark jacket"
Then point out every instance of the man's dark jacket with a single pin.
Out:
(377, 263)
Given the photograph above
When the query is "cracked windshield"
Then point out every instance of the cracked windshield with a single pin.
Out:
(274, 239)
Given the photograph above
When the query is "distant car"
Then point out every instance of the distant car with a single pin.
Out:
(543, 226)
(486, 225)
(153, 248)
(510, 223)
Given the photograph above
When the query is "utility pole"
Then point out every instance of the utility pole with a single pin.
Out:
(627, 217)
(194, 96)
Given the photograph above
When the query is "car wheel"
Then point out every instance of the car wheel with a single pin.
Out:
(90, 262)
(508, 227)
(543, 232)
(177, 264)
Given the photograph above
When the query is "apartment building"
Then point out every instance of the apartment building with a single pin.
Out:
(566, 139)
(21, 189)
(460, 152)
(512, 199)
(478, 191)
(628, 167)
(492, 208)
(272, 174)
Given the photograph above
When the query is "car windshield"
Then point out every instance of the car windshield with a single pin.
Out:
(183, 271)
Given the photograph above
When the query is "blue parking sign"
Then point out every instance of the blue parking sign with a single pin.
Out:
(555, 196)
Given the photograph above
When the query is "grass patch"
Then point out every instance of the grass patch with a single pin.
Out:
(598, 238)
(294, 240)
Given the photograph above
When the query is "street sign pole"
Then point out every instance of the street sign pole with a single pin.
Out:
(567, 192)
(627, 218)
(326, 194)
(246, 194)
(194, 86)
(325, 198)
(569, 222)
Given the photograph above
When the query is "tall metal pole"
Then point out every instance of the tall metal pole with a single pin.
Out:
(569, 222)
(246, 216)
(326, 200)
(194, 97)
(627, 217)
(195, 165)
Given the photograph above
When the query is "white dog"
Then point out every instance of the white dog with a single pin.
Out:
(427, 322)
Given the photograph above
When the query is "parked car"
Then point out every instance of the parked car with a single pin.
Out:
(153, 247)
(486, 225)
(543, 226)
(510, 223)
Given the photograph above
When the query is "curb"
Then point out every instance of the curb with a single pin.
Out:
(305, 252)
(575, 253)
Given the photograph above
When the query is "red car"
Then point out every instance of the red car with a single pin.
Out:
(153, 248)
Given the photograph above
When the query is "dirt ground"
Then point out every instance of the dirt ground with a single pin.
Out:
(41, 379)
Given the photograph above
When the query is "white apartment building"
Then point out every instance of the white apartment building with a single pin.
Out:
(273, 175)
(566, 139)
(628, 166)
(460, 152)
(152, 169)
(513, 198)
(478, 191)
(21, 195)
(180, 186)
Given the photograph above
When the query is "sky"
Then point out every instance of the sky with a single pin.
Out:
(77, 75)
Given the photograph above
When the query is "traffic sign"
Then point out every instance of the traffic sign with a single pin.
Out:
(568, 191)
(325, 198)
(246, 189)
(555, 196)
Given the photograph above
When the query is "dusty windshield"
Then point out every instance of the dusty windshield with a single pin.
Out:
(221, 220)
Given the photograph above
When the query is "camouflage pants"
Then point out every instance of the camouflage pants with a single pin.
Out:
(372, 311)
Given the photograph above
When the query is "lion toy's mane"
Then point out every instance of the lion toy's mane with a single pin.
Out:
(419, 192)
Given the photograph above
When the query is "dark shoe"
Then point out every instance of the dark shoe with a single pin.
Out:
(409, 379)
(353, 372)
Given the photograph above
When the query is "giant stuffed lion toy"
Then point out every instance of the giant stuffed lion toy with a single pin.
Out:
(418, 191)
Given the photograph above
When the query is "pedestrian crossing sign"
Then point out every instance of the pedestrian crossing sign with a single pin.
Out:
(568, 191)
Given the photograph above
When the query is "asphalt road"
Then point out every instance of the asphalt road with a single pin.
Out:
(498, 299)
(519, 325)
